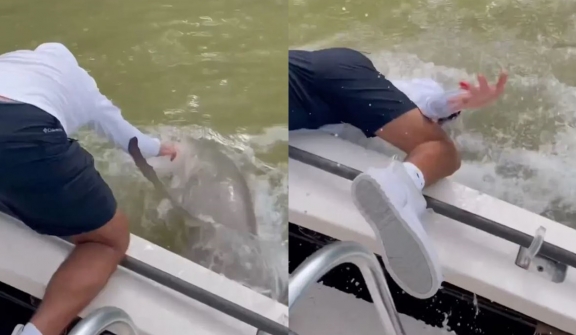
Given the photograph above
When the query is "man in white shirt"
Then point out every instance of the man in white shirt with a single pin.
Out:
(49, 181)
(341, 85)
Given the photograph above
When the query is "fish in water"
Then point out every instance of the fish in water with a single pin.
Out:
(203, 184)
(208, 185)
(204, 187)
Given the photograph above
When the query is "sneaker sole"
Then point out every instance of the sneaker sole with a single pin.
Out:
(409, 257)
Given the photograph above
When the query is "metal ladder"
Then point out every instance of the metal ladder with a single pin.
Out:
(329, 257)
(310, 271)
(100, 319)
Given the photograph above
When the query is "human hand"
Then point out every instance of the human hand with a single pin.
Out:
(168, 149)
(474, 97)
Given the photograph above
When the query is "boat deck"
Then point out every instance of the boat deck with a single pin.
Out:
(343, 314)
(459, 310)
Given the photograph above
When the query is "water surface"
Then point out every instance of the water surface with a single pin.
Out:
(522, 149)
(179, 69)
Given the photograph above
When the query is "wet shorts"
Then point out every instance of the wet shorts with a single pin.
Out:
(341, 85)
(49, 181)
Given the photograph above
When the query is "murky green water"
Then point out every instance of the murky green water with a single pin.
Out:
(521, 150)
(179, 69)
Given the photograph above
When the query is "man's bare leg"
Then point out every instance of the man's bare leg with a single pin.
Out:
(391, 200)
(427, 145)
(82, 275)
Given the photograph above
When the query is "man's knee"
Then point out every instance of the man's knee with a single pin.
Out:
(413, 130)
(121, 240)
(114, 234)
(451, 155)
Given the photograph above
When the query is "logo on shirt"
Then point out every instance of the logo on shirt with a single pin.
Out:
(52, 130)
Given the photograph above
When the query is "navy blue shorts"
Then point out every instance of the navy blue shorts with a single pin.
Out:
(341, 85)
(49, 181)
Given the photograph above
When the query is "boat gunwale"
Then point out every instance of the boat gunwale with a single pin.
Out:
(315, 193)
(33, 276)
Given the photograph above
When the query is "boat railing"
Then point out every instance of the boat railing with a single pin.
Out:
(201, 295)
(181, 286)
(544, 249)
(329, 257)
(101, 319)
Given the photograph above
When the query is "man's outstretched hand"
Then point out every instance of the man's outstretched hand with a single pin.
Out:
(168, 149)
(478, 96)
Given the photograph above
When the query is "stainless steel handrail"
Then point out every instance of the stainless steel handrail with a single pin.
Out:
(99, 320)
(327, 258)
(455, 213)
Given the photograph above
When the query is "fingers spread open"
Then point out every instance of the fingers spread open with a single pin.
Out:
(483, 83)
(502, 79)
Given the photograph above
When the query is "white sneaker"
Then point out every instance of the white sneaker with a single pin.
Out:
(17, 330)
(390, 202)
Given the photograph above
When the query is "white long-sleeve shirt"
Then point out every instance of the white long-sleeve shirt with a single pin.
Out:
(51, 79)
(428, 95)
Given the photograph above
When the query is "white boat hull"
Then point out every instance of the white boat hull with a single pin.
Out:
(28, 260)
(471, 259)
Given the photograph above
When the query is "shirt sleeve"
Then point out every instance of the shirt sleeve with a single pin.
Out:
(107, 120)
(436, 106)
(430, 97)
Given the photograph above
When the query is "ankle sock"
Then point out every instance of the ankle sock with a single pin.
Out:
(30, 329)
(415, 174)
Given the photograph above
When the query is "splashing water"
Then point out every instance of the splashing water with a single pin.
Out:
(520, 150)
(259, 262)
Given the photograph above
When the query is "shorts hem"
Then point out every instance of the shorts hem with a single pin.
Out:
(79, 230)
(371, 131)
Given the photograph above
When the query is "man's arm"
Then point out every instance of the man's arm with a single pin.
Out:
(469, 96)
(105, 118)
(108, 122)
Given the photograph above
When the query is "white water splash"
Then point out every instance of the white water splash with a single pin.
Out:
(267, 183)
